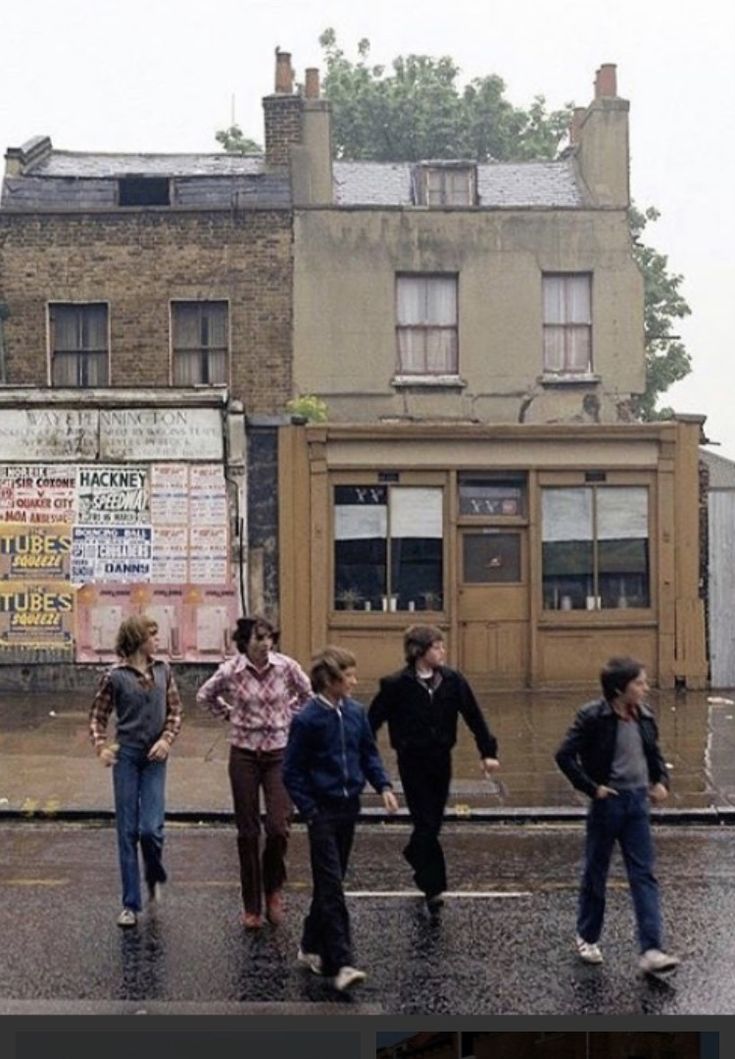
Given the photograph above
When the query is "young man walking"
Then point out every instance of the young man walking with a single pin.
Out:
(421, 705)
(142, 693)
(331, 753)
(611, 754)
(258, 692)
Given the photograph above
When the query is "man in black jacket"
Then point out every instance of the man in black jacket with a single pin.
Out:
(611, 754)
(421, 704)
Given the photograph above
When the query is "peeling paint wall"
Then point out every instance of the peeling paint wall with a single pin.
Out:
(345, 312)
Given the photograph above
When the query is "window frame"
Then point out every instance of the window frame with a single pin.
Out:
(568, 328)
(204, 352)
(411, 480)
(598, 612)
(52, 307)
(425, 329)
(429, 170)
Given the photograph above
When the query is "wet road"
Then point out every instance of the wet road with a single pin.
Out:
(502, 944)
(46, 764)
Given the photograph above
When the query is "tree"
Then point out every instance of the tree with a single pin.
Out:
(234, 141)
(667, 360)
(418, 112)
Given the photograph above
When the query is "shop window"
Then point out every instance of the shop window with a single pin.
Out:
(426, 325)
(595, 548)
(492, 494)
(568, 323)
(199, 343)
(388, 548)
(79, 345)
(491, 557)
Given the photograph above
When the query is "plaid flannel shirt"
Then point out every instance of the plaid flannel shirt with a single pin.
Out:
(259, 704)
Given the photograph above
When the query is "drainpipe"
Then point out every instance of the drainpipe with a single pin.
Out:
(4, 314)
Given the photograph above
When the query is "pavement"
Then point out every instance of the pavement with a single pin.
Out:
(47, 768)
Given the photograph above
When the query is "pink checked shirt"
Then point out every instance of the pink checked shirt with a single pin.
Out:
(258, 703)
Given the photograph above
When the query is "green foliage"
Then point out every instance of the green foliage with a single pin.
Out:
(667, 360)
(418, 112)
(234, 141)
(308, 406)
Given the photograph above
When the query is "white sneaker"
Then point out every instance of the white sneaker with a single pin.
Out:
(653, 961)
(127, 918)
(588, 951)
(311, 960)
(347, 977)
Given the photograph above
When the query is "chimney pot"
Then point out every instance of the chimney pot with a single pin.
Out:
(284, 73)
(606, 81)
(311, 87)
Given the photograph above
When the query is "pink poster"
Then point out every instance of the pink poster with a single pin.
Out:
(195, 622)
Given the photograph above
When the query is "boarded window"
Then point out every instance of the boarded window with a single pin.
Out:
(200, 343)
(79, 345)
(426, 313)
(144, 191)
(388, 547)
(568, 323)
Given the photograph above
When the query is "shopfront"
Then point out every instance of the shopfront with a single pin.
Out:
(539, 550)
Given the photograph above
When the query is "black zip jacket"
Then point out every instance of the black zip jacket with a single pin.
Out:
(420, 721)
(586, 754)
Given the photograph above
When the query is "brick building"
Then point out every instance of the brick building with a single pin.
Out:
(476, 331)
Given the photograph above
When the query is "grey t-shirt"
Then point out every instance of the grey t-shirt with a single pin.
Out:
(629, 767)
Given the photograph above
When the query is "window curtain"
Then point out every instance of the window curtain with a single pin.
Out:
(79, 345)
(567, 322)
(427, 324)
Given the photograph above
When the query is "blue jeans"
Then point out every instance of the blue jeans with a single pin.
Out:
(624, 818)
(139, 786)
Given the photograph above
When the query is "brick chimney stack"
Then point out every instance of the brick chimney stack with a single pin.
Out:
(599, 135)
(575, 125)
(282, 113)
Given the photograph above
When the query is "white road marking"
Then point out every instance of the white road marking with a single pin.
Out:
(447, 893)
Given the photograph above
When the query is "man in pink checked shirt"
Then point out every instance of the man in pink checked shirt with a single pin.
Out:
(258, 691)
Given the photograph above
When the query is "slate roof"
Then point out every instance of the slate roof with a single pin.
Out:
(105, 166)
(509, 184)
(77, 180)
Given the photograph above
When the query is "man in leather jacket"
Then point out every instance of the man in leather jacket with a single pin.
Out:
(421, 704)
(611, 754)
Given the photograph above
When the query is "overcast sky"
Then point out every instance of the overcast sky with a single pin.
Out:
(160, 75)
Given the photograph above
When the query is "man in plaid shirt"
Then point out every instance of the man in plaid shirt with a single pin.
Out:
(143, 695)
(258, 691)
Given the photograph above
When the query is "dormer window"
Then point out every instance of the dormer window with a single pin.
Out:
(144, 191)
(445, 184)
